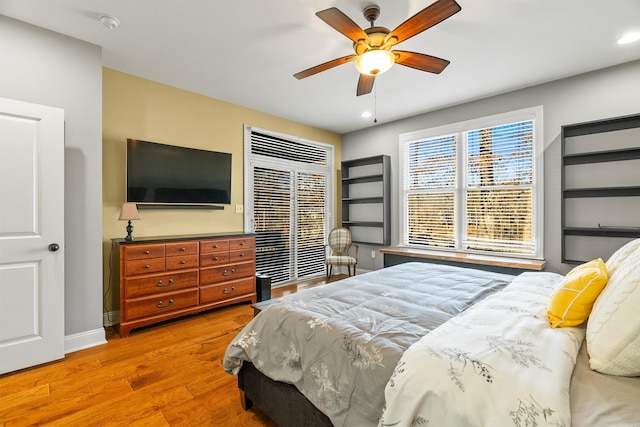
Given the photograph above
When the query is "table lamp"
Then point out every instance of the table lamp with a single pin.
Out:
(129, 212)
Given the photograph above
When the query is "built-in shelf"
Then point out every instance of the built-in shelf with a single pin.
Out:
(363, 224)
(600, 201)
(364, 200)
(603, 232)
(602, 192)
(366, 192)
(602, 156)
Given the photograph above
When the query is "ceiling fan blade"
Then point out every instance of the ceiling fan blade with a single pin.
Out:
(426, 18)
(341, 22)
(365, 84)
(420, 61)
(323, 67)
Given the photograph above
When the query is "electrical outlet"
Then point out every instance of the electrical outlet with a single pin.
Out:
(239, 208)
(373, 254)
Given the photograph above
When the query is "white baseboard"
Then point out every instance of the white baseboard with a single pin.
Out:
(84, 340)
(111, 318)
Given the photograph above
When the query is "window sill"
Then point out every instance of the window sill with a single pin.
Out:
(519, 263)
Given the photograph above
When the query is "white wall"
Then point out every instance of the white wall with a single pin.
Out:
(44, 67)
(610, 92)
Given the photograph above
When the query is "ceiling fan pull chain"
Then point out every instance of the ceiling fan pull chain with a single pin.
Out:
(375, 104)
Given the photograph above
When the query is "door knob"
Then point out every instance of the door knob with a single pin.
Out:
(54, 247)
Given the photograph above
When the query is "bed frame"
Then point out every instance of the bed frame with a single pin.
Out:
(279, 401)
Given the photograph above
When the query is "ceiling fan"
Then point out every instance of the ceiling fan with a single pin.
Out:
(373, 54)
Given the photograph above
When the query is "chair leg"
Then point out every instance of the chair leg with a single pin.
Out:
(349, 270)
(327, 272)
(354, 269)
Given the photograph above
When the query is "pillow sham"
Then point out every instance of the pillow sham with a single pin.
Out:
(621, 254)
(571, 303)
(613, 331)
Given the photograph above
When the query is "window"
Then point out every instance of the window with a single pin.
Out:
(288, 203)
(475, 186)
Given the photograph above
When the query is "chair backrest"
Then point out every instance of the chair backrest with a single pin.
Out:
(339, 240)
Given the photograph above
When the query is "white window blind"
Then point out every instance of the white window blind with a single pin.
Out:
(272, 212)
(430, 185)
(475, 186)
(499, 193)
(288, 202)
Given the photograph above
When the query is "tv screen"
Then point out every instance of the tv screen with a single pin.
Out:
(167, 174)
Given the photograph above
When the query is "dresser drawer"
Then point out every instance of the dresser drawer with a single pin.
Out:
(208, 260)
(143, 251)
(227, 272)
(143, 266)
(180, 262)
(210, 246)
(181, 248)
(242, 255)
(149, 285)
(160, 304)
(224, 291)
(242, 243)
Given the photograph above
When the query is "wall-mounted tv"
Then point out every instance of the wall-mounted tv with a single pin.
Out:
(160, 174)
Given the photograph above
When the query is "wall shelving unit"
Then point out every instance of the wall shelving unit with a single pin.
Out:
(600, 187)
(366, 199)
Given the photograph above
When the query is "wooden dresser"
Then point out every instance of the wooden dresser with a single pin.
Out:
(164, 278)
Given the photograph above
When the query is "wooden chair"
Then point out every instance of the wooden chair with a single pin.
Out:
(340, 241)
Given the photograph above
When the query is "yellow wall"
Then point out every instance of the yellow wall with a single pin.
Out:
(143, 109)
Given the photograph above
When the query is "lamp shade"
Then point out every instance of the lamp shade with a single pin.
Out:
(129, 212)
(374, 62)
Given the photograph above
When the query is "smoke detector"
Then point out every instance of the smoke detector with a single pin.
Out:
(110, 22)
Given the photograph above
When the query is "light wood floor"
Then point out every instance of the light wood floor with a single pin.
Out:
(165, 375)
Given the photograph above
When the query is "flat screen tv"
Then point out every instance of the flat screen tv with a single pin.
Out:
(160, 174)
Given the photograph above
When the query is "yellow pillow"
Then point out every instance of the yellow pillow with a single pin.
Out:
(572, 302)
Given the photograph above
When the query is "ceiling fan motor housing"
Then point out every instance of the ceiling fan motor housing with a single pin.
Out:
(376, 40)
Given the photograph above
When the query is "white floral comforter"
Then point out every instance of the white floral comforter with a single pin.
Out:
(497, 364)
(339, 343)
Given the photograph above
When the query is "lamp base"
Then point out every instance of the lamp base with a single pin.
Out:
(129, 229)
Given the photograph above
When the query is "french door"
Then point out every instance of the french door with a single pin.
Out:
(288, 192)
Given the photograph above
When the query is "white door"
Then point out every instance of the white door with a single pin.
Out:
(31, 234)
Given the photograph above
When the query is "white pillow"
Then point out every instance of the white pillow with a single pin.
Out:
(613, 330)
(621, 254)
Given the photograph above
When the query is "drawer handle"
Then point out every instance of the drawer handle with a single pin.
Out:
(233, 288)
(163, 285)
(146, 252)
(242, 243)
(226, 273)
(242, 254)
(183, 249)
(215, 246)
(215, 258)
(147, 266)
(170, 302)
(183, 262)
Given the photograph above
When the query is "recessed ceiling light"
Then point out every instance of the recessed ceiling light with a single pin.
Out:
(365, 114)
(110, 22)
(629, 38)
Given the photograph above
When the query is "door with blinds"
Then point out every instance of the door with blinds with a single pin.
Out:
(288, 203)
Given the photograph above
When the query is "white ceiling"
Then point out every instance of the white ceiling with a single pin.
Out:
(246, 51)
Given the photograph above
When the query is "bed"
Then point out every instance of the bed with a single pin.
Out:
(340, 354)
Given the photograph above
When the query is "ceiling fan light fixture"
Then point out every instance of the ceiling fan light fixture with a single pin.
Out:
(374, 62)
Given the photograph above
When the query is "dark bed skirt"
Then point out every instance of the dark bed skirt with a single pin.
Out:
(281, 402)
